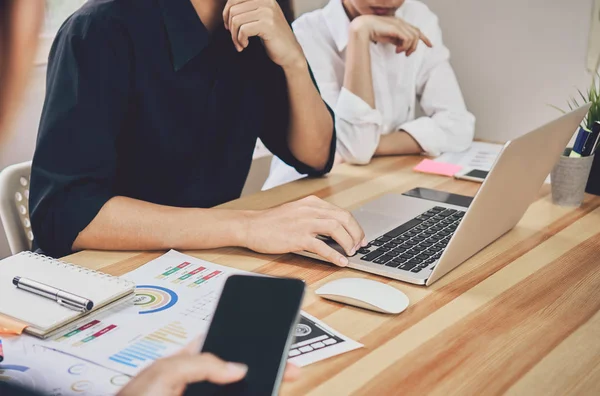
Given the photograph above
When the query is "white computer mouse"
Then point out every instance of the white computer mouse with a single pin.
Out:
(365, 293)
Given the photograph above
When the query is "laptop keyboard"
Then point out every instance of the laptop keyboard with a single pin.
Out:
(417, 243)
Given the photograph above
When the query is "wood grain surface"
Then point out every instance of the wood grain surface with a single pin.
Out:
(522, 317)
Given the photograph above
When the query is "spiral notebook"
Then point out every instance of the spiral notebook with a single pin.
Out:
(43, 316)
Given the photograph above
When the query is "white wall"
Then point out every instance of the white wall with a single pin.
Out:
(513, 57)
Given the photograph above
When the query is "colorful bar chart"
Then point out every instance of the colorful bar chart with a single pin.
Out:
(152, 346)
(189, 275)
(206, 278)
(173, 270)
(78, 330)
(95, 335)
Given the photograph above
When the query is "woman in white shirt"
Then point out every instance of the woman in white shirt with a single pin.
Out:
(372, 60)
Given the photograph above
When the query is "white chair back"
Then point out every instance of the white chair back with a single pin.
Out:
(14, 206)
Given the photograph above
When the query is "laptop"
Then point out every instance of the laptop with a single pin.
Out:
(419, 241)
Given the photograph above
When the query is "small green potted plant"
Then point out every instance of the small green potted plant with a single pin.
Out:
(571, 173)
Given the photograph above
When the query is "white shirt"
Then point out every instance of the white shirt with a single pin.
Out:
(398, 81)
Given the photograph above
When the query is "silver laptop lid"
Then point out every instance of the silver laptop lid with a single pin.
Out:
(511, 186)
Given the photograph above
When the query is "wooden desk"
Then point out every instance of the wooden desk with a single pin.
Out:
(521, 317)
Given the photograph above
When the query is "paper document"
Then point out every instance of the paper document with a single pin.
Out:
(479, 156)
(316, 341)
(176, 296)
(54, 373)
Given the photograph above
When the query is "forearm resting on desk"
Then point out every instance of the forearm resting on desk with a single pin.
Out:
(130, 224)
(397, 143)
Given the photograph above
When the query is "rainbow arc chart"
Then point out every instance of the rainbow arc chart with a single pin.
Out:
(152, 299)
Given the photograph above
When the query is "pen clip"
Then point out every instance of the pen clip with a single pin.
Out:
(68, 304)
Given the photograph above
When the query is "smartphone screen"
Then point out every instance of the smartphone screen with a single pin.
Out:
(253, 324)
(480, 174)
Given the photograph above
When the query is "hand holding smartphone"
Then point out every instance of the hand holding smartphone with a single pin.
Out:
(253, 324)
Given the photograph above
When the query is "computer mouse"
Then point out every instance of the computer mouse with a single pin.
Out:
(365, 293)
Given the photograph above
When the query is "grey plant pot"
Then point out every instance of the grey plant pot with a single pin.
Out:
(569, 178)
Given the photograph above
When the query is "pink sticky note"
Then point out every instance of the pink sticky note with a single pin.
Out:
(438, 168)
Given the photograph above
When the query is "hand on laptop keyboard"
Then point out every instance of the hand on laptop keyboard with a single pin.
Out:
(295, 227)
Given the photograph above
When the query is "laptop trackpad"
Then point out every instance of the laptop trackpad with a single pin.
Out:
(375, 224)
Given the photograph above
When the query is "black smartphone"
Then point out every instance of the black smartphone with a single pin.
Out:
(254, 324)
(439, 196)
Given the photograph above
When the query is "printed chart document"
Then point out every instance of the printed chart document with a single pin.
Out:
(315, 341)
(479, 156)
(175, 298)
(54, 373)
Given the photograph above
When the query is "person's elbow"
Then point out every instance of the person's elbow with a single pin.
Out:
(315, 154)
(323, 163)
(462, 132)
(358, 148)
(357, 158)
(356, 155)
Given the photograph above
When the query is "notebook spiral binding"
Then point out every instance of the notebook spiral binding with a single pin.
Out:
(77, 268)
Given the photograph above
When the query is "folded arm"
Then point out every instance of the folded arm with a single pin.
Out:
(310, 132)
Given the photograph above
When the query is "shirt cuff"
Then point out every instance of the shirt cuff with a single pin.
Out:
(56, 227)
(423, 130)
(353, 109)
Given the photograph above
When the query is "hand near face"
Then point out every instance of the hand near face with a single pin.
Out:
(390, 29)
(264, 19)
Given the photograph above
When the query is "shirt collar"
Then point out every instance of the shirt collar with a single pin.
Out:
(338, 23)
(186, 33)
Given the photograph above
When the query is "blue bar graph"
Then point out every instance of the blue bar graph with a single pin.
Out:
(150, 347)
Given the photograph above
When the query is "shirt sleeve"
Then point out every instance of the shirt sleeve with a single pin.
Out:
(274, 136)
(447, 126)
(75, 158)
(358, 125)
